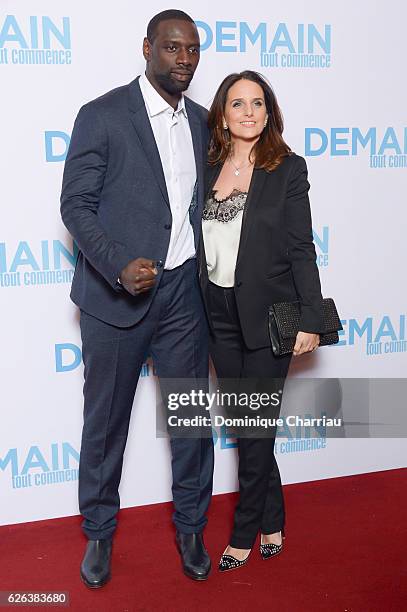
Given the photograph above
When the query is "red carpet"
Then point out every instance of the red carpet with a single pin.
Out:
(345, 550)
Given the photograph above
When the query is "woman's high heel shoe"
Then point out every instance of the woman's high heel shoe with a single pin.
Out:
(271, 550)
(228, 562)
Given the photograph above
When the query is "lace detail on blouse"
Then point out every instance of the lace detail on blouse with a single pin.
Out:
(224, 210)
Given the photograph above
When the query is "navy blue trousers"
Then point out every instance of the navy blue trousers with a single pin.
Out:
(174, 332)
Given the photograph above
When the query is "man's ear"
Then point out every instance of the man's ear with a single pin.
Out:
(146, 49)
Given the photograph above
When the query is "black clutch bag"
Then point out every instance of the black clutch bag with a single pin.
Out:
(284, 320)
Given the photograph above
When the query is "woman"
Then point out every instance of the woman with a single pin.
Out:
(257, 250)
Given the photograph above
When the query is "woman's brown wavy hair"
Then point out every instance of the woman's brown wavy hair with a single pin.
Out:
(271, 148)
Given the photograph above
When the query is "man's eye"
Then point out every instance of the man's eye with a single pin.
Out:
(171, 48)
(194, 50)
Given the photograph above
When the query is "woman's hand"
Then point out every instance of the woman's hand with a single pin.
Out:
(305, 343)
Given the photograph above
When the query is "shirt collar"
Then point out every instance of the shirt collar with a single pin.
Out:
(155, 104)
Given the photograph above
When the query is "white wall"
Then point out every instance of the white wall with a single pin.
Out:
(359, 218)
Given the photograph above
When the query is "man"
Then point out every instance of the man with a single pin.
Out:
(132, 199)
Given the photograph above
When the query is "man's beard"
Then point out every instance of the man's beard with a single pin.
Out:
(170, 85)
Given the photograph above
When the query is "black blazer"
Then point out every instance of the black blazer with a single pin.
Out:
(276, 259)
(114, 199)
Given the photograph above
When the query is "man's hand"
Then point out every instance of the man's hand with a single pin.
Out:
(305, 343)
(138, 276)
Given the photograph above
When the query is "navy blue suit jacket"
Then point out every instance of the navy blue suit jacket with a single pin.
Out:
(114, 200)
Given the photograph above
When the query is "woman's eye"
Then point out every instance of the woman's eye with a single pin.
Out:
(235, 104)
(258, 103)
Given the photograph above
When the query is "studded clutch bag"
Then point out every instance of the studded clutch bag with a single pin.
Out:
(284, 321)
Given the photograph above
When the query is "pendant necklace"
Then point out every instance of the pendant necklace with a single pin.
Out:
(237, 170)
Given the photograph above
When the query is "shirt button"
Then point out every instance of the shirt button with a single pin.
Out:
(167, 226)
(159, 263)
(239, 284)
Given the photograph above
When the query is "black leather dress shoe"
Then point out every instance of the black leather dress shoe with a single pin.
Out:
(95, 567)
(195, 559)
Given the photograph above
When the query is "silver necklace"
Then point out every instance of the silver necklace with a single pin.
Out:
(237, 170)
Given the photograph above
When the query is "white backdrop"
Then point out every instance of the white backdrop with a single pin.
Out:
(345, 113)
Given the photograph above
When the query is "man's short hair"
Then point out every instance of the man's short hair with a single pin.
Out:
(165, 16)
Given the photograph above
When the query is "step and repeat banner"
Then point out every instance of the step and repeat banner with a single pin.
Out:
(338, 70)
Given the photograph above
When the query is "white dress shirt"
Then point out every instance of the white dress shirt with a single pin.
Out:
(174, 142)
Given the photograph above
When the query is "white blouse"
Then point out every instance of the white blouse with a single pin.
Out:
(222, 223)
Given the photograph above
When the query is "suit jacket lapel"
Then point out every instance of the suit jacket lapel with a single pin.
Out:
(256, 185)
(196, 133)
(142, 125)
(211, 176)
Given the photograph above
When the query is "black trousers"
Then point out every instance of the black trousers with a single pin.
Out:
(175, 333)
(261, 501)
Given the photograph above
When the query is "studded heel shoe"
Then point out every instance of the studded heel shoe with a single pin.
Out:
(271, 550)
(228, 562)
